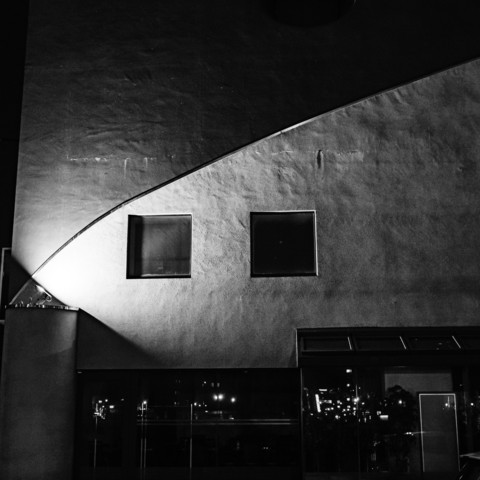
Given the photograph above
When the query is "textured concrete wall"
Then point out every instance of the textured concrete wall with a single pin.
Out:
(37, 402)
(394, 182)
(120, 96)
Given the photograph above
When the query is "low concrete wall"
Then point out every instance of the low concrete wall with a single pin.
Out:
(37, 399)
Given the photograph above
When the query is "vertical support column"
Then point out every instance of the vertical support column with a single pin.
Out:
(37, 394)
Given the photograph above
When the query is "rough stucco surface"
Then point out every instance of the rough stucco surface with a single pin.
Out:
(394, 182)
(121, 96)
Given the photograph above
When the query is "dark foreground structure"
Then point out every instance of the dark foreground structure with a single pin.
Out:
(200, 298)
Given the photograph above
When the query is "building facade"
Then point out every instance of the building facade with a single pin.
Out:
(304, 307)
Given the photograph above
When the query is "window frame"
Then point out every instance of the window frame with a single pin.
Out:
(253, 274)
(131, 245)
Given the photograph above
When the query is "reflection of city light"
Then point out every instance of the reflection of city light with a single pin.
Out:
(233, 399)
(220, 396)
(348, 370)
(318, 402)
(215, 397)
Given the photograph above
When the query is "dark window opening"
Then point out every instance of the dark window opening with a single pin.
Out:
(283, 244)
(159, 246)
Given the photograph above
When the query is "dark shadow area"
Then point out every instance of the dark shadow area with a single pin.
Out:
(13, 35)
(101, 347)
(17, 278)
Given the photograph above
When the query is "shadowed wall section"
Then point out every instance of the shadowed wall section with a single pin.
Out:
(38, 394)
(393, 180)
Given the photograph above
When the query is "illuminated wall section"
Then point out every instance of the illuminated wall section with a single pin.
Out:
(394, 183)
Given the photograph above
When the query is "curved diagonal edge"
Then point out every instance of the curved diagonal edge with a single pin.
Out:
(226, 155)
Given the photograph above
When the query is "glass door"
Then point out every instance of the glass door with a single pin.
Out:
(439, 435)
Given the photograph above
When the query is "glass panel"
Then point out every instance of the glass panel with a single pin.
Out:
(432, 343)
(379, 343)
(326, 344)
(330, 423)
(245, 424)
(218, 424)
(163, 422)
(283, 243)
(470, 342)
(438, 422)
(159, 246)
(103, 428)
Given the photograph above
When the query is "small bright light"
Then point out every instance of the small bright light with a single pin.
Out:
(144, 402)
(356, 400)
(348, 370)
(220, 396)
(215, 397)
(233, 399)
(40, 289)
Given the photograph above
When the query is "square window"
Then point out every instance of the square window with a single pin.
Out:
(283, 244)
(159, 246)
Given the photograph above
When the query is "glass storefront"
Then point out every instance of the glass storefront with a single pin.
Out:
(358, 407)
(389, 403)
(383, 422)
(196, 424)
